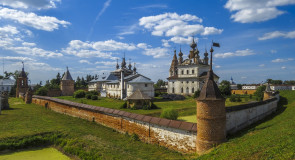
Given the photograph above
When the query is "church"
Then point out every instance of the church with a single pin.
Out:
(122, 82)
(188, 75)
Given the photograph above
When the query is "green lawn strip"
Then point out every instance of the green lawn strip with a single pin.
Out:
(273, 138)
(79, 137)
(185, 107)
(36, 154)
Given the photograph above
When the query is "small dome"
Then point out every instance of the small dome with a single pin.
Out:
(193, 44)
(180, 53)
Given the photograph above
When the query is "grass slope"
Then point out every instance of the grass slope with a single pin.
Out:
(274, 138)
(79, 137)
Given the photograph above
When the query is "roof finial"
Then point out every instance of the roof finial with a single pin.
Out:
(67, 68)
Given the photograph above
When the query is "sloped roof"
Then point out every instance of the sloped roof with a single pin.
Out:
(22, 74)
(7, 82)
(141, 79)
(67, 76)
(210, 90)
(138, 95)
(204, 74)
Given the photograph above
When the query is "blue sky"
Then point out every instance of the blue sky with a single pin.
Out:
(256, 37)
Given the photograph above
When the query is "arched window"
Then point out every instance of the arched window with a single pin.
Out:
(187, 71)
(181, 90)
(193, 90)
(193, 71)
(181, 71)
(187, 90)
(173, 90)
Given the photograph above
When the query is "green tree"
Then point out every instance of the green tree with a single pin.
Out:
(239, 86)
(260, 92)
(224, 88)
(159, 83)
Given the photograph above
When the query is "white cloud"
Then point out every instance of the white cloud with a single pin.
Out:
(102, 49)
(153, 6)
(243, 77)
(261, 65)
(279, 60)
(155, 52)
(245, 52)
(172, 24)
(8, 30)
(277, 34)
(25, 4)
(248, 11)
(273, 51)
(217, 66)
(283, 67)
(84, 61)
(182, 40)
(16, 59)
(33, 51)
(107, 63)
(45, 23)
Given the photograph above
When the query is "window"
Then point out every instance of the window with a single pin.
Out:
(193, 81)
(187, 90)
(173, 90)
(181, 71)
(193, 71)
(193, 90)
(187, 81)
(181, 90)
(181, 81)
(187, 71)
(128, 85)
(145, 85)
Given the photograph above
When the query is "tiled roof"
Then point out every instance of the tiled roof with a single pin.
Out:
(140, 79)
(67, 76)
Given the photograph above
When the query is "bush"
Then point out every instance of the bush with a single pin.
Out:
(94, 97)
(92, 93)
(79, 94)
(197, 94)
(134, 137)
(232, 98)
(88, 96)
(153, 106)
(239, 98)
(42, 91)
(124, 105)
(169, 114)
(260, 92)
(250, 96)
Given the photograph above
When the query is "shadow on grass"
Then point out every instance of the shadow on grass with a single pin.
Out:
(280, 109)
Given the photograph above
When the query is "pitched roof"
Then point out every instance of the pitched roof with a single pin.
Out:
(67, 76)
(7, 82)
(137, 95)
(141, 79)
(204, 74)
(210, 90)
(22, 74)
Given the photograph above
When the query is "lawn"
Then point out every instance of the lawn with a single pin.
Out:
(75, 136)
(273, 138)
(36, 154)
(185, 107)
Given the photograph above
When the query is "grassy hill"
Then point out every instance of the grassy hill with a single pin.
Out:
(274, 138)
(26, 126)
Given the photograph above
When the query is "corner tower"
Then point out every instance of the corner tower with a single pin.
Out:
(211, 116)
(22, 82)
(67, 84)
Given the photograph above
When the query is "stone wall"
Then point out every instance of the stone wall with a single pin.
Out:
(176, 135)
(241, 116)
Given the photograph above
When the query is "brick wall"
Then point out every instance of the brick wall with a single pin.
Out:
(176, 135)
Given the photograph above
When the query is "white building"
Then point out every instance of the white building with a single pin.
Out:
(293, 88)
(6, 84)
(187, 76)
(280, 87)
(250, 87)
(122, 82)
(233, 85)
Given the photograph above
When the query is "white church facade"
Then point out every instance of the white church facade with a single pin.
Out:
(122, 82)
(188, 75)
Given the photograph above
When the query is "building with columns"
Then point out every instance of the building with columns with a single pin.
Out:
(122, 82)
(188, 75)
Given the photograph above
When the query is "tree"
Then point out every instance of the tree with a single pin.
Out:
(239, 86)
(83, 82)
(290, 82)
(58, 78)
(224, 88)
(260, 92)
(159, 83)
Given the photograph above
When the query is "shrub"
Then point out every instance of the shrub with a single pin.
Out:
(42, 91)
(250, 96)
(239, 98)
(92, 93)
(153, 106)
(79, 94)
(259, 92)
(232, 98)
(88, 96)
(169, 114)
(124, 105)
(197, 94)
(134, 137)
(94, 97)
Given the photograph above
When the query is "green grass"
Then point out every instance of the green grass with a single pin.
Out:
(274, 138)
(184, 107)
(77, 136)
(191, 118)
(37, 154)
